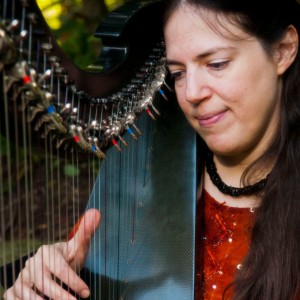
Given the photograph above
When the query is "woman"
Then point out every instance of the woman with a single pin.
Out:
(236, 71)
(235, 66)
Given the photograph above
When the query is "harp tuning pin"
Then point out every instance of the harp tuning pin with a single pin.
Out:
(17, 73)
(161, 92)
(46, 47)
(65, 78)
(59, 142)
(136, 128)
(32, 18)
(149, 63)
(46, 75)
(80, 93)
(154, 109)
(2, 35)
(83, 143)
(55, 119)
(149, 112)
(60, 70)
(123, 141)
(54, 60)
(34, 111)
(75, 137)
(13, 25)
(66, 108)
(91, 126)
(130, 131)
(23, 34)
(32, 73)
(48, 96)
(168, 87)
(115, 143)
(95, 148)
(73, 88)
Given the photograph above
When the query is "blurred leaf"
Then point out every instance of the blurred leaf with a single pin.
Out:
(71, 171)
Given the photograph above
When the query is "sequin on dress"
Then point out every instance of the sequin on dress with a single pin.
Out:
(226, 241)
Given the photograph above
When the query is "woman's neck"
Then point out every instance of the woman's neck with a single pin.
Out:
(231, 170)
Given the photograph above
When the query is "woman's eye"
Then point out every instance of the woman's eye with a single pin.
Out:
(220, 65)
(177, 75)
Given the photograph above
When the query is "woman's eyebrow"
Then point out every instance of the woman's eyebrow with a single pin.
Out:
(201, 55)
(214, 51)
(170, 62)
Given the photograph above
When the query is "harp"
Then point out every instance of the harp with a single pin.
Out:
(101, 117)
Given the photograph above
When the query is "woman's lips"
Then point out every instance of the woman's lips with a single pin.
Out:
(211, 119)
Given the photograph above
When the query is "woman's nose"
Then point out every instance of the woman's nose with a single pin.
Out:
(197, 88)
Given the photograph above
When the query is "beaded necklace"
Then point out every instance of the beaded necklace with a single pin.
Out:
(229, 190)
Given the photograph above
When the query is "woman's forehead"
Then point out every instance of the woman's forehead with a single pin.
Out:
(189, 28)
(190, 25)
(221, 23)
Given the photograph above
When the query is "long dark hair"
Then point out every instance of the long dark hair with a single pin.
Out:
(271, 269)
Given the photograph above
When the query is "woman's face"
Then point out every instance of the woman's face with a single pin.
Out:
(227, 87)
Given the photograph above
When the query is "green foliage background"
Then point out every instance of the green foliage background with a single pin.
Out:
(73, 24)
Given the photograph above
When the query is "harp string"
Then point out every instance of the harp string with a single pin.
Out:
(3, 243)
(24, 168)
(131, 159)
(23, 160)
(16, 235)
(4, 5)
(2, 222)
(7, 201)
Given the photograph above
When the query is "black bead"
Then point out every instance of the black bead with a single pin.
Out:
(226, 189)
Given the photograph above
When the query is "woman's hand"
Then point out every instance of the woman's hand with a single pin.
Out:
(56, 264)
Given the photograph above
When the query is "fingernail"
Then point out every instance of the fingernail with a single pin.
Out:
(85, 293)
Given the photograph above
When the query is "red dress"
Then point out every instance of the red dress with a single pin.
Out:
(225, 242)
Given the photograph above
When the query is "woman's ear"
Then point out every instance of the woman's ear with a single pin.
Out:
(286, 49)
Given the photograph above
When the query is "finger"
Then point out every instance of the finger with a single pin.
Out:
(21, 291)
(77, 247)
(55, 291)
(68, 276)
(87, 227)
(22, 288)
(50, 263)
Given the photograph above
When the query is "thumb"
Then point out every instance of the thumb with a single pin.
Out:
(79, 244)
